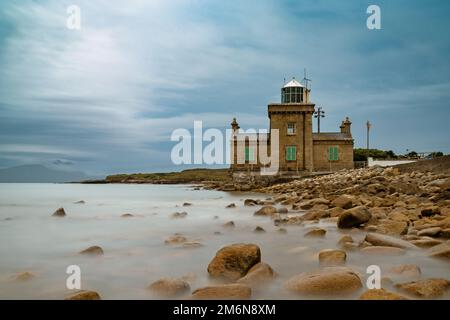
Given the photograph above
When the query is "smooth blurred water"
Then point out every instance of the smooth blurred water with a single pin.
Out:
(135, 253)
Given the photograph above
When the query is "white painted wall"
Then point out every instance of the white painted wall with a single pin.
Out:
(386, 163)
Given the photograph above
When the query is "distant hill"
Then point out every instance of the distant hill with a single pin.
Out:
(39, 173)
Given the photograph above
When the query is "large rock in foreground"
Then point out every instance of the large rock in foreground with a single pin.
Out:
(169, 287)
(325, 282)
(226, 291)
(84, 295)
(380, 294)
(428, 288)
(354, 217)
(234, 261)
(266, 211)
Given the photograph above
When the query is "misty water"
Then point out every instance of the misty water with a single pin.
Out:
(135, 254)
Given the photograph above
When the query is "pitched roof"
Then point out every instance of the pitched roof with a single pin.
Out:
(293, 83)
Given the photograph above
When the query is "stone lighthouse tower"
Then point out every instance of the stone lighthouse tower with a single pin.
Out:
(293, 118)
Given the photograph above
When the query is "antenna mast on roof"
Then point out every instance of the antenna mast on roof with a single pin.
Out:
(306, 80)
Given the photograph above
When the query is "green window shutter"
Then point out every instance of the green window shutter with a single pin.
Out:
(249, 154)
(291, 153)
(333, 153)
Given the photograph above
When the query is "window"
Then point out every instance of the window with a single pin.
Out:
(291, 128)
(249, 154)
(333, 153)
(291, 153)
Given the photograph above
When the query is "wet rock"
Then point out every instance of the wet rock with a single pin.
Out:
(175, 239)
(24, 276)
(259, 229)
(431, 232)
(308, 204)
(345, 201)
(187, 204)
(389, 241)
(428, 288)
(80, 202)
(266, 211)
(169, 287)
(250, 202)
(234, 261)
(354, 217)
(383, 250)
(93, 251)
(127, 215)
(315, 214)
(325, 282)
(381, 294)
(332, 257)
(259, 274)
(84, 295)
(441, 250)
(59, 213)
(445, 233)
(226, 291)
(407, 270)
(178, 215)
(231, 205)
(229, 224)
(316, 232)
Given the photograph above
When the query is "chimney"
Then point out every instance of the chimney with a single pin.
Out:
(345, 126)
(235, 126)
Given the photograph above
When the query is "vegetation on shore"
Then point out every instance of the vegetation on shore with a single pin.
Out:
(185, 176)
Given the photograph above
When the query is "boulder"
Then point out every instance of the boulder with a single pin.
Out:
(335, 212)
(354, 217)
(385, 240)
(407, 270)
(234, 261)
(431, 232)
(283, 210)
(344, 201)
(178, 215)
(266, 211)
(84, 295)
(392, 227)
(325, 282)
(24, 276)
(445, 233)
(383, 250)
(441, 250)
(316, 232)
(187, 204)
(314, 214)
(93, 251)
(428, 288)
(426, 242)
(430, 211)
(380, 294)
(229, 224)
(169, 287)
(127, 215)
(332, 257)
(259, 229)
(308, 204)
(175, 239)
(59, 213)
(259, 274)
(226, 291)
(250, 202)
(345, 239)
(231, 205)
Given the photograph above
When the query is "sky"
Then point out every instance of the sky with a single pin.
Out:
(105, 98)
